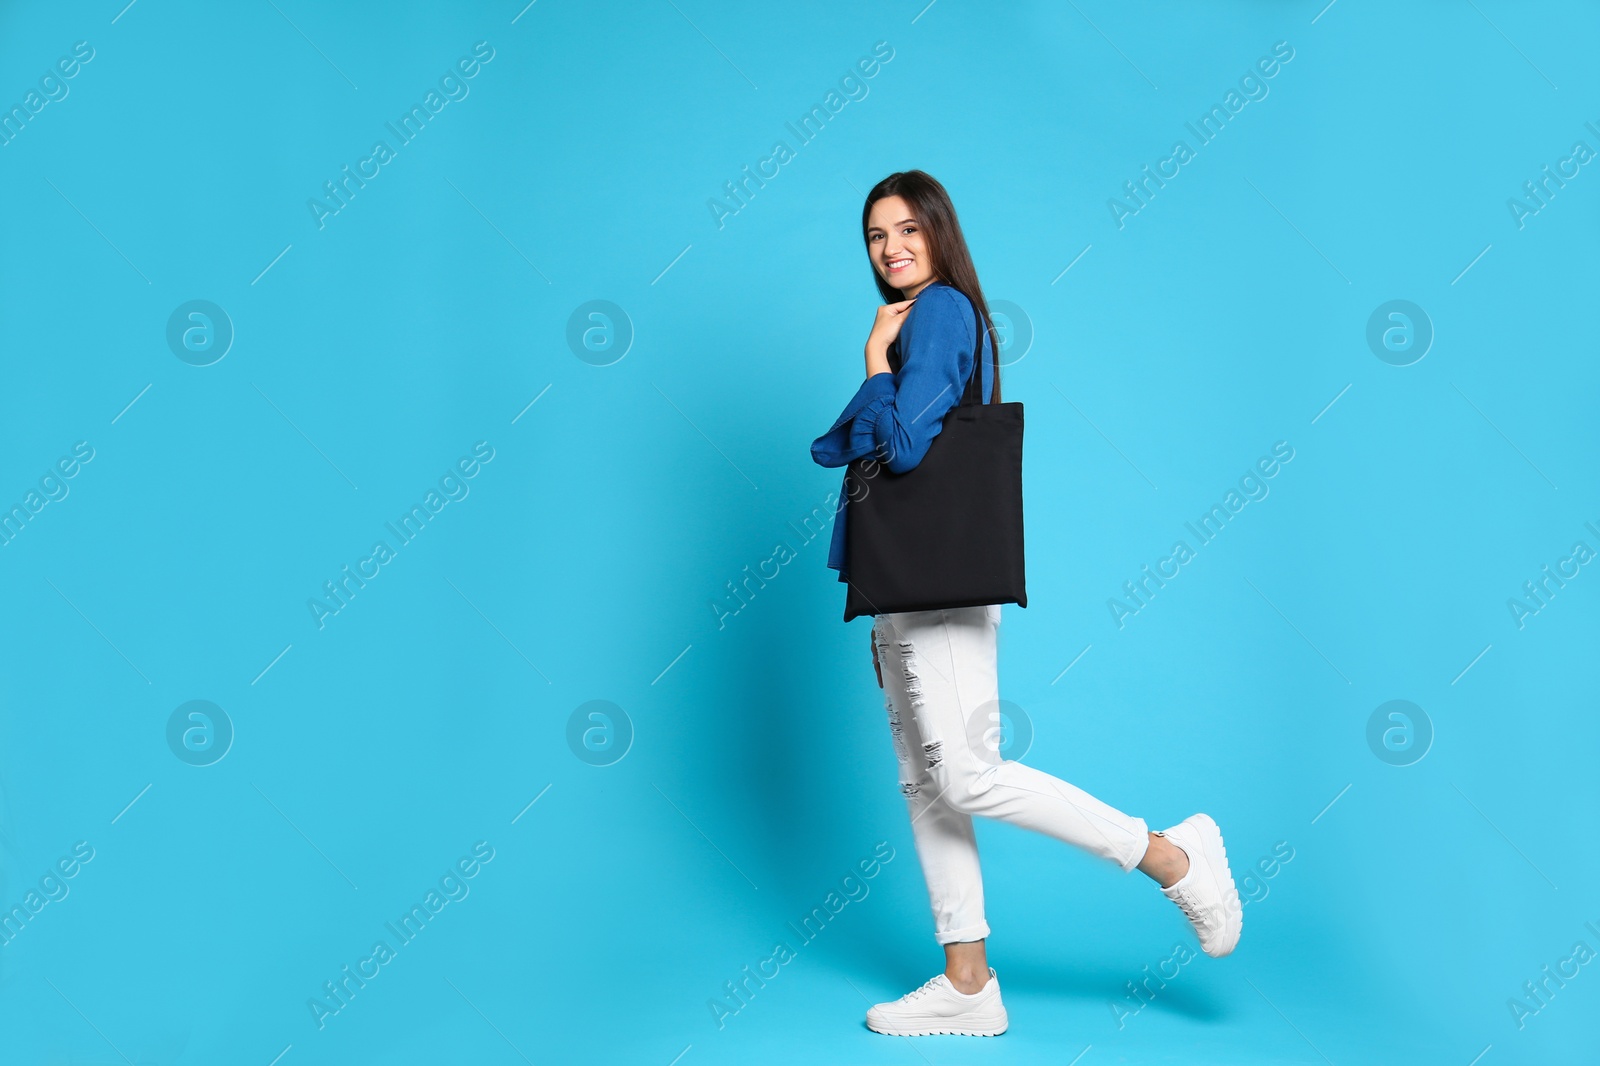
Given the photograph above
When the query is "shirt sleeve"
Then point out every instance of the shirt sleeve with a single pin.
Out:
(844, 441)
(895, 417)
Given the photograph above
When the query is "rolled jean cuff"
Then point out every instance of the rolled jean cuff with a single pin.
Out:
(1137, 853)
(970, 932)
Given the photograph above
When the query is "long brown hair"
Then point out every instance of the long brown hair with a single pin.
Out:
(952, 263)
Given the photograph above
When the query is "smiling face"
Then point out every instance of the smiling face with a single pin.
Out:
(896, 246)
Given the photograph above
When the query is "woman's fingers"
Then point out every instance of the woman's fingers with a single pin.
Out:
(890, 317)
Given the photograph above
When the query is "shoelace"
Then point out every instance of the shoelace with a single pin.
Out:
(927, 986)
(1190, 906)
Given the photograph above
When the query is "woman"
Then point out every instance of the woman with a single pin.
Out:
(938, 668)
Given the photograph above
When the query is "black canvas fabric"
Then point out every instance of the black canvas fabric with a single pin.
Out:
(948, 532)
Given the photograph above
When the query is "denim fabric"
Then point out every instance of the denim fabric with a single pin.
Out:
(941, 690)
(894, 417)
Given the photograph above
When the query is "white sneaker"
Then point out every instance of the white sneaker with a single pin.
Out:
(1206, 894)
(937, 1007)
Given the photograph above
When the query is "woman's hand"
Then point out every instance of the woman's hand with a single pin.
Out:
(885, 328)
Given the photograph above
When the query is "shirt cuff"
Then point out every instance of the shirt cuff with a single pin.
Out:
(873, 388)
(844, 441)
(864, 428)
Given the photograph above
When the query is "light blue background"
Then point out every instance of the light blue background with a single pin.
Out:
(428, 314)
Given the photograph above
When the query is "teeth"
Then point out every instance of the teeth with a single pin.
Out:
(898, 263)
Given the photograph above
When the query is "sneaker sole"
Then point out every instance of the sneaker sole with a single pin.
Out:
(1216, 853)
(952, 1030)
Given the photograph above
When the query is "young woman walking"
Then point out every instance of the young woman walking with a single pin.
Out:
(938, 668)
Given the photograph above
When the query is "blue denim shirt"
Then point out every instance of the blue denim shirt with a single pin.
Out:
(894, 417)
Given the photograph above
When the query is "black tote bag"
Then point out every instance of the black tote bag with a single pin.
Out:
(948, 532)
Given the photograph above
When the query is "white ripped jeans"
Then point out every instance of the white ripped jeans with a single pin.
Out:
(941, 689)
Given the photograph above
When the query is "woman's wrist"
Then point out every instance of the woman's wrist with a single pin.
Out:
(877, 358)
